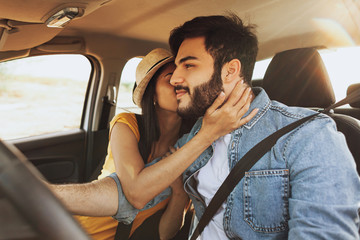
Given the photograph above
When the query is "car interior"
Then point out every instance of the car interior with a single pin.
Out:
(107, 35)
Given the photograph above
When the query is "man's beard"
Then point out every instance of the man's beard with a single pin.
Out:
(202, 97)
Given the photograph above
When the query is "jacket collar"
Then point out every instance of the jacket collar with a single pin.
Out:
(262, 102)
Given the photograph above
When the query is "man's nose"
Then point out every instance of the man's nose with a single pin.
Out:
(176, 78)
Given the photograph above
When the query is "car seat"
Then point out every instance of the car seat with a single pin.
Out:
(298, 77)
(354, 111)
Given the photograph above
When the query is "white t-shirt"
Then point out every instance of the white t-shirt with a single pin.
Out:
(209, 179)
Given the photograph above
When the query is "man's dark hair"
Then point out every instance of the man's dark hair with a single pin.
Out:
(226, 38)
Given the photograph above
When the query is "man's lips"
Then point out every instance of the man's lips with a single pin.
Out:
(180, 93)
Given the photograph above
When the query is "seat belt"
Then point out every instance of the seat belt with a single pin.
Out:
(250, 158)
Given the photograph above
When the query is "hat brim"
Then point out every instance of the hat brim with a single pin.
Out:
(140, 89)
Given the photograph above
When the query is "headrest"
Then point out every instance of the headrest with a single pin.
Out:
(298, 77)
(353, 88)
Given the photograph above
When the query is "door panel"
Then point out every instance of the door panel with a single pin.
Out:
(59, 157)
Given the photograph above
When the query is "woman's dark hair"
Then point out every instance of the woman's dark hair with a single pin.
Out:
(150, 131)
(149, 127)
(226, 38)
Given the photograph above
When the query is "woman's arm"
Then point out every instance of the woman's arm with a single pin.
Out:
(172, 219)
(140, 184)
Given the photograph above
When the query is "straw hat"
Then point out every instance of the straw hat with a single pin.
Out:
(146, 70)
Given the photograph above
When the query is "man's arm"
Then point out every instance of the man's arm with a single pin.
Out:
(325, 187)
(172, 219)
(97, 198)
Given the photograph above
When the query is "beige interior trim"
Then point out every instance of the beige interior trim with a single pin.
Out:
(5, 56)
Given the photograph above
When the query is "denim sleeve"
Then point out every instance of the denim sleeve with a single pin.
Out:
(181, 141)
(325, 186)
(126, 213)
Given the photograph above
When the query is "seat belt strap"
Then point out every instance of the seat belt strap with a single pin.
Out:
(351, 98)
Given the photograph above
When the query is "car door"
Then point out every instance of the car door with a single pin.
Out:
(46, 112)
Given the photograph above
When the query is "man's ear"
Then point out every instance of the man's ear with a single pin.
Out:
(231, 71)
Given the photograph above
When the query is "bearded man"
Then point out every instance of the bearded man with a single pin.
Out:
(306, 187)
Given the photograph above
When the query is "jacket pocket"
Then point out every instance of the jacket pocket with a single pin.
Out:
(266, 200)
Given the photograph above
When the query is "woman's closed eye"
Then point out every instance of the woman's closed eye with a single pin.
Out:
(168, 77)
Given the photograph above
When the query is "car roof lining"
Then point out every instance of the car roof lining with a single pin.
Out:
(279, 23)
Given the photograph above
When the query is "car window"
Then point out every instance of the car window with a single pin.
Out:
(341, 65)
(42, 94)
(124, 101)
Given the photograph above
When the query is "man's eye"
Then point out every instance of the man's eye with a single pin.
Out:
(188, 66)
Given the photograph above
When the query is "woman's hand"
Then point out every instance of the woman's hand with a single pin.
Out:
(222, 117)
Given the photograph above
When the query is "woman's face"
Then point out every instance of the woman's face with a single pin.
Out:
(164, 94)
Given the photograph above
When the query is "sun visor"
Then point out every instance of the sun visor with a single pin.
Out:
(62, 45)
(38, 21)
(20, 35)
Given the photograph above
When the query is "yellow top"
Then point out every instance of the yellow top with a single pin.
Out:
(103, 228)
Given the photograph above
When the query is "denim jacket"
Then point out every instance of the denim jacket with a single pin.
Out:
(305, 187)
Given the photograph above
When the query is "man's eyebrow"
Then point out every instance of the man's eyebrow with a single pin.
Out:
(187, 58)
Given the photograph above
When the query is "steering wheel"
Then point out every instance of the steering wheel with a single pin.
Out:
(20, 182)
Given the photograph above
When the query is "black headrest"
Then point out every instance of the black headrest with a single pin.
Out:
(353, 88)
(298, 77)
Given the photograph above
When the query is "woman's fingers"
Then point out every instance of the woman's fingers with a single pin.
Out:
(217, 103)
(248, 117)
(243, 105)
(237, 94)
(172, 149)
(243, 99)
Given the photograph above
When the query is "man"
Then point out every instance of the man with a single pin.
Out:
(306, 187)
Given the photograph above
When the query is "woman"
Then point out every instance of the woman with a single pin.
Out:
(131, 147)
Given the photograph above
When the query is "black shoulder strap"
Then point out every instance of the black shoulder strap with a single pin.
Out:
(104, 119)
(249, 159)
